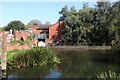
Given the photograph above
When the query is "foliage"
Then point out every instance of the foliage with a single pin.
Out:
(91, 26)
(108, 75)
(33, 57)
(29, 39)
(1, 29)
(116, 45)
(22, 42)
(26, 27)
(15, 25)
(13, 42)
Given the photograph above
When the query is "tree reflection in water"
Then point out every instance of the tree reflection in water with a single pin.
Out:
(55, 72)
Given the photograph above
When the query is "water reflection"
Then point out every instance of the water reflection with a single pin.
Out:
(12, 76)
(86, 63)
(55, 72)
(75, 64)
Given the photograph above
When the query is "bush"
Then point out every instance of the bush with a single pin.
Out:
(116, 45)
(33, 57)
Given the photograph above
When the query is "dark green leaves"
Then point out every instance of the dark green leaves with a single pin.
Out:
(91, 26)
(15, 25)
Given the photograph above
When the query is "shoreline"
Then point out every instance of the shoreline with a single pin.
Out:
(83, 47)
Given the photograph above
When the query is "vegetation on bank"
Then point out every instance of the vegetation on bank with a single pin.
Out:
(117, 46)
(108, 75)
(29, 58)
(91, 26)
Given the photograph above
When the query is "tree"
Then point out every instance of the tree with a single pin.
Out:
(77, 25)
(85, 18)
(15, 25)
(63, 13)
(115, 21)
(1, 29)
(91, 26)
(34, 22)
(47, 23)
(26, 27)
(101, 24)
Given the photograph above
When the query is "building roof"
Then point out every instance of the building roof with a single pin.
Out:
(43, 26)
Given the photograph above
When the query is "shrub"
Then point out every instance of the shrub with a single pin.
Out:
(33, 57)
(117, 46)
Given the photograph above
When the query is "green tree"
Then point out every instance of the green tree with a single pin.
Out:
(115, 21)
(101, 24)
(1, 29)
(85, 19)
(91, 26)
(26, 27)
(15, 25)
(77, 25)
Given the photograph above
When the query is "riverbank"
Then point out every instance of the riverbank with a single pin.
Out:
(25, 47)
(83, 47)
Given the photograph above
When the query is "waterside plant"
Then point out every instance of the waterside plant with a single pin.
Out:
(29, 58)
(108, 75)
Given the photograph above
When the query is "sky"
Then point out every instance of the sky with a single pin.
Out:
(26, 11)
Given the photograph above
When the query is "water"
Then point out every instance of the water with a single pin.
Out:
(75, 64)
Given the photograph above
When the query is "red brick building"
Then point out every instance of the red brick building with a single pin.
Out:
(55, 32)
(21, 34)
(48, 34)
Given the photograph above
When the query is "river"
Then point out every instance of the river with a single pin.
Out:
(75, 63)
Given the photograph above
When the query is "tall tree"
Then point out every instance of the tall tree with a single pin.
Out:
(91, 26)
(115, 21)
(15, 25)
(77, 25)
(101, 24)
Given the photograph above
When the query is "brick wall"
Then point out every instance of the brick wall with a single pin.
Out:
(1, 34)
(55, 31)
(35, 31)
(12, 47)
(19, 34)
